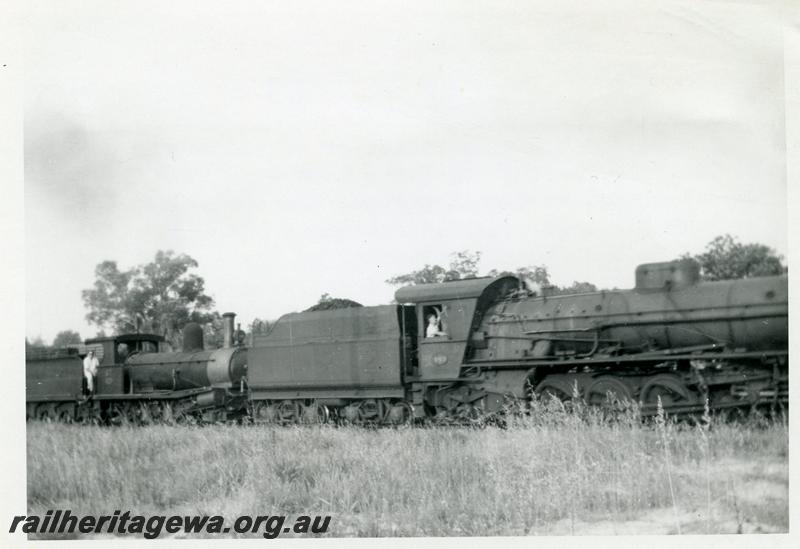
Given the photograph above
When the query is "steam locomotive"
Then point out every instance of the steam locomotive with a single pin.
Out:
(137, 382)
(458, 351)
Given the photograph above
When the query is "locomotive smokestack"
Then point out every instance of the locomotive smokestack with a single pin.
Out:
(227, 320)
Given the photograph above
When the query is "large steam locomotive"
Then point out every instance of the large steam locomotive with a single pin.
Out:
(454, 351)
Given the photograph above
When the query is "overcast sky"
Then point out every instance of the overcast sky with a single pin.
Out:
(298, 148)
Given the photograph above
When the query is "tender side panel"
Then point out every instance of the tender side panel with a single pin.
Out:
(329, 349)
(54, 379)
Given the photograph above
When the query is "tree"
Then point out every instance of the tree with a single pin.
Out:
(577, 288)
(463, 265)
(214, 331)
(326, 303)
(66, 337)
(37, 343)
(159, 297)
(536, 274)
(259, 326)
(726, 258)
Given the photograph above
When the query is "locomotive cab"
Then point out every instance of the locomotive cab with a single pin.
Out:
(112, 352)
(446, 316)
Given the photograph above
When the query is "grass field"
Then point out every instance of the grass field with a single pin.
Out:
(555, 473)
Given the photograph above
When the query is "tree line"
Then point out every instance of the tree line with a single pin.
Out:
(166, 294)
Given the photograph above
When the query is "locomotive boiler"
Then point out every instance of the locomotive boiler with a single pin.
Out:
(192, 367)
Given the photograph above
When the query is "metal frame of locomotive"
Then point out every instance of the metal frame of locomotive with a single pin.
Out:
(137, 382)
(671, 338)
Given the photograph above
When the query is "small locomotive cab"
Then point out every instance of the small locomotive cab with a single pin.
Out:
(113, 352)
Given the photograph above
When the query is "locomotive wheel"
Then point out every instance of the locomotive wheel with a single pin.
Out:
(156, 410)
(315, 413)
(607, 390)
(181, 417)
(166, 413)
(119, 413)
(558, 388)
(264, 412)
(466, 413)
(288, 411)
(373, 410)
(66, 415)
(400, 413)
(46, 412)
(736, 416)
(88, 415)
(352, 414)
(142, 413)
(669, 388)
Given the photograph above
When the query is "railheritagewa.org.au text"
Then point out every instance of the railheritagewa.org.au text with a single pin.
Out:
(62, 521)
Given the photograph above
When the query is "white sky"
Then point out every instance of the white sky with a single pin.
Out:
(297, 148)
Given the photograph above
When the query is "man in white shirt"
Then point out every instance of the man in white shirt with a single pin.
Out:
(90, 364)
(434, 321)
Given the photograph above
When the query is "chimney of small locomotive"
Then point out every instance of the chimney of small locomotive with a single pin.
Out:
(227, 338)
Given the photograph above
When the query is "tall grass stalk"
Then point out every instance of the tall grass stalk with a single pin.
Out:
(703, 427)
(661, 423)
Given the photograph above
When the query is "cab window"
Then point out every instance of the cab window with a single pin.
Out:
(434, 321)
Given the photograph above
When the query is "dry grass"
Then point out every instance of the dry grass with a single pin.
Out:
(553, 473)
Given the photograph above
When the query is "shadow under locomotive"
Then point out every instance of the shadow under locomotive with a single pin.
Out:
(456, 351)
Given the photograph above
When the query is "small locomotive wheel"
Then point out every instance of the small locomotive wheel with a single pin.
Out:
(65, 415)
(315, 413)
(289, 411)
(261, 412)
(156, 411)
(400, 413)
(167, 415)
(119, 413)
(353, 414)
(143, 413)
(46, 412)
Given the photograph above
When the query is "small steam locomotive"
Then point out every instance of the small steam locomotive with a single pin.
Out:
(138, 383)
(456, 351)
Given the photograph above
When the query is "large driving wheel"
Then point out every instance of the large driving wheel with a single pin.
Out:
(607, 390)
(558, 388)
(667, 387)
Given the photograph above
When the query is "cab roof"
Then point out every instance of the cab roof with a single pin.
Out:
(126, 337)
(456, 289)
